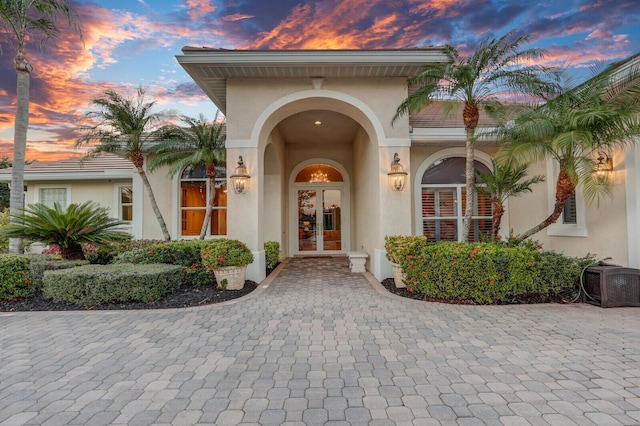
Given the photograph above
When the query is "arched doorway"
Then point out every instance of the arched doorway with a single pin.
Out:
(319, 199)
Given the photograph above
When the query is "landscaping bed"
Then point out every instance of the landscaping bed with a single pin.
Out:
(186, 296)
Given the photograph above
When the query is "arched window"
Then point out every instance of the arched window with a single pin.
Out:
(194, 190)
(444, 201)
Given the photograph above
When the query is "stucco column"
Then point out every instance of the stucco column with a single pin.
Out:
(395, 206)
(244, 210)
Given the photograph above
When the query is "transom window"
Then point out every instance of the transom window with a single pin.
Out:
(444, 200)
(194, 190)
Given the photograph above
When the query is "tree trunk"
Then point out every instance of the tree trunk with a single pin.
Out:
(498, 212)
(16, 200)
(564, 189)
(154, 204)
(211, 174)
(470, 187)
(207, 216)
(73, 252)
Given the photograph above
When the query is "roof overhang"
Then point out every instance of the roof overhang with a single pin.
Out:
(211, 68)
(59, 176)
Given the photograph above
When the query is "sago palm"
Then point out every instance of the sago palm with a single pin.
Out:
(601, 114)
(126, 127)
(201, 143)
(505, 182)
(68, 228)
(497, 68)
(27, 21)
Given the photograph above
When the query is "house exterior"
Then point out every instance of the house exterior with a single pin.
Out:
(315, 131)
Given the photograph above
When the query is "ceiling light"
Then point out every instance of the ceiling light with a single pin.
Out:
(318, 122)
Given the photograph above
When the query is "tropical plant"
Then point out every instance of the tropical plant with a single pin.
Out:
(505, 182)
(201, 143)
(125, 126)
(599, 115)
(27, 21)
(497, 68)
(68, 228)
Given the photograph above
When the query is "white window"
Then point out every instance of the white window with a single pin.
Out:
(443, 201)
(125, 201)
(50, 196)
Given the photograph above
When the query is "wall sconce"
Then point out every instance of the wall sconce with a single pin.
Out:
(603, 168)
(240, 178)
(397, 175)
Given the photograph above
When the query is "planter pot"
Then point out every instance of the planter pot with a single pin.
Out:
(235, 276)
(398, 275)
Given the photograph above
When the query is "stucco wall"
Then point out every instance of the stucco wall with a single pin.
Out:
(381, 96)
(102, 192)
(605, 221)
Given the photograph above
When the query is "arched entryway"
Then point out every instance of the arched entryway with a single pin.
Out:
(320, 208)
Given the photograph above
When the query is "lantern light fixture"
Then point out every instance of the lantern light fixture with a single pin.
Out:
(603, 168)
(240, 177)
(397, 175)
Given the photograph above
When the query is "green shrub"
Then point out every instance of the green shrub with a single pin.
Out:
(15, 280)
(91, 285)
(483, 272)
(478, 272)
(557, 273)
(225, 252)
(272, 254)
(401, 246)
(4, 220)
(39, 263)
(183, 253)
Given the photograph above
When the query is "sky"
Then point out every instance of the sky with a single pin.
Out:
(130, 44)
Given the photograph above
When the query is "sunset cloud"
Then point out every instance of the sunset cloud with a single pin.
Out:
(135, 45)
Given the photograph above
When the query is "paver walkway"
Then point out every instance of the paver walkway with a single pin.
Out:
(323, 346)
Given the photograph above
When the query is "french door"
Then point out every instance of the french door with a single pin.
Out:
(319, 220)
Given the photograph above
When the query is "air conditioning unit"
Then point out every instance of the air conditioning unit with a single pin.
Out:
(610, 286)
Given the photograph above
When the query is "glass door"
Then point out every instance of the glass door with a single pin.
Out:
(319, 220)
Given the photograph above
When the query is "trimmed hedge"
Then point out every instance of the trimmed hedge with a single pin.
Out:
(15, 280)
(39, 263)
(483, 273)
(91, 285)
(183, 253)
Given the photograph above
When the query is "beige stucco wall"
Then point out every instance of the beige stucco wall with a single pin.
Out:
(251, 125)
(103, 192)
(165, 190)
(605, 221)
(248, 99)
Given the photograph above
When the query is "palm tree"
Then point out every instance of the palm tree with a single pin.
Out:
(126, 127)
(497, 67)
(505, 182)
(201, 143)
(599, 115)
(79, 223)
(27, 20)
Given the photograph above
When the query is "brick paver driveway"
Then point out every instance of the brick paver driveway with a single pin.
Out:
(323, 346)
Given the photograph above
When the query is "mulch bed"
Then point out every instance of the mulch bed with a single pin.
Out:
(529, 299)
(184, 297)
